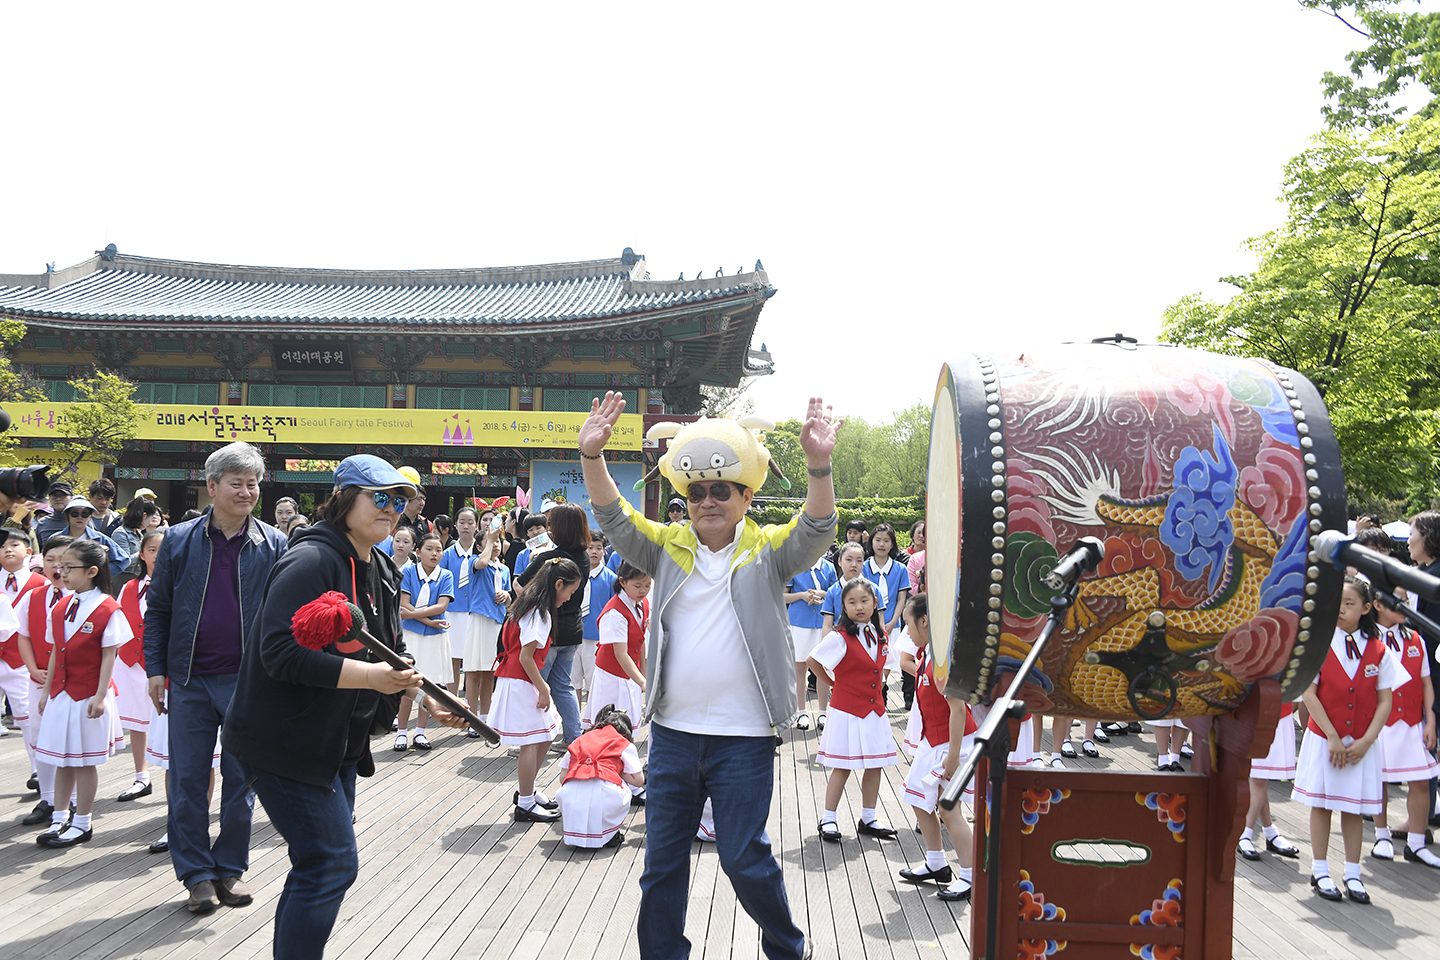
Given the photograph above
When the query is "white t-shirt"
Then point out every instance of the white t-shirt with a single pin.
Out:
(709, 683)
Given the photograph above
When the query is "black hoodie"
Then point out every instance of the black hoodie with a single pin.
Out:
(287, 717)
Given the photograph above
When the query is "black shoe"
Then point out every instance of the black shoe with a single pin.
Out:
(951, 894)
(874, 829)
(1356, 893)
(34, 782)
(637, 801)
(1414, 857)
(829, 830)
(1246, 849)
(550, 804)
(41, 814)
(535, 815)
(136, 790)
(1089, 749)
(942, 876)
(60, 841)
(422, 742)
(1285, 849)
(1134, 726)
(472, 734)
(614, 841)
(1067, 750)
(1100, 735)
(1331, 892)
(159, 846)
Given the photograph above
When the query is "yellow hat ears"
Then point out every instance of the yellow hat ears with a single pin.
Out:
(714, 448)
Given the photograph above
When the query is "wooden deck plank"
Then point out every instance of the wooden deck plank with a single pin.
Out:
(440, 858)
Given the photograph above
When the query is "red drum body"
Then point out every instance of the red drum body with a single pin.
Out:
(1206, 477)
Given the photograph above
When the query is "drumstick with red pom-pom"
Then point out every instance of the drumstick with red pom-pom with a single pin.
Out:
(332, 618)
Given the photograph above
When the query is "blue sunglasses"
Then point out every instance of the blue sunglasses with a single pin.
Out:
(383, 499)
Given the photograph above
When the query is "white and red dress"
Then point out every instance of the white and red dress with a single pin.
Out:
(15, 681)
(622, 621)
(594, 800)
(132, 687)
(857, 736)
(927, 778)
(513, 710)
(32, 610)
(1355, 670)
(80, 627)
(1404, 758)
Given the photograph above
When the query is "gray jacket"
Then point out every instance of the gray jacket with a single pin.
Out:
(765, 559)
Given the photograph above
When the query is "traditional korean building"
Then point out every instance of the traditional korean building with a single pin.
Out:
(476, 377)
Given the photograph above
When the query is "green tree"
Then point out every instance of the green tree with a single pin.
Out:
(1404, 50)
(15, 387)
(784, 445)
(1346, 293)
(103, 418)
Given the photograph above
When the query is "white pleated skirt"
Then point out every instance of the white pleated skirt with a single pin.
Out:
(132, 696)
(68, 738)
(1357, 788)
(592, 811)
(514, 715)
(623, 692)
(1279, 763)
(856, 743)
(927, 780)
(1403, 756)
(914, 730)
(432, 655)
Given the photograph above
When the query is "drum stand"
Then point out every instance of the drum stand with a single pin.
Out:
(992, 743)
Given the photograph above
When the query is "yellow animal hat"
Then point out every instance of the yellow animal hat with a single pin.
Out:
(715, 449)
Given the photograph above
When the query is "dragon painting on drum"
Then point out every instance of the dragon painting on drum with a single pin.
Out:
(1206, 477)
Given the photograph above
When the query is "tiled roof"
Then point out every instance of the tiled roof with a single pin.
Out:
(119, 291)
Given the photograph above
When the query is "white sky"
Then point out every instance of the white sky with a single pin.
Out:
(919, 183)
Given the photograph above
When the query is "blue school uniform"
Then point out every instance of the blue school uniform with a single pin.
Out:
(819, 577)
(387, 546)
(602, 588)
(613, 564)
(444, 587)
(887, 585)
(522, 560)
(486, 581)
(453, 561)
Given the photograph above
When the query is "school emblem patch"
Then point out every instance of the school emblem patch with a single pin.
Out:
(1413, 651)
(87, 627)
(1372, 670)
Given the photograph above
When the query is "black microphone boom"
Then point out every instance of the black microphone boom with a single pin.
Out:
(1082, 558)
(1343, 551)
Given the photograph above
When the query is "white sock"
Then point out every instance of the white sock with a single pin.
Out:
(81, 821)
(58, 818)
(1055, 755)
(1415, 841)
(46, 773)
(527, 802)
(1173, 757)
(935, 859)
(1162, 761)
(867, 814)
(1352, 870)
(1248, 834)
(828, 817)
(1271, 832)
(965, 873)
(1382, 833)
(1320, 869)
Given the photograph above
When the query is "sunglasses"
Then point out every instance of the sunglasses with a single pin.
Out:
(720, 492)
(383, 499)
(77, 514)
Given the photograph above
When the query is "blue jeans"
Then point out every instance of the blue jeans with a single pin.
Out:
(738, 774)
(315, 822)
(556, 673)
(197, 710)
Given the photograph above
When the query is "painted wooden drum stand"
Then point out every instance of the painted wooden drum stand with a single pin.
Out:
(1207, 478)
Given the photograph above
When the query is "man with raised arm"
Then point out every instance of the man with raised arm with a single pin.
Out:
(720, 677)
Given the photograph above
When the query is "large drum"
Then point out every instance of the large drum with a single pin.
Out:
(1207, 477)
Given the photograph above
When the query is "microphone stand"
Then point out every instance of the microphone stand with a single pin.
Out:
(1381, 588)
(992, 742)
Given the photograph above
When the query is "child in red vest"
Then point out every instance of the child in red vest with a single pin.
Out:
(78, 726)
(132, 694)
(620, 651)
(1407, 739)
(947, 736)
(852, 657)
(593, 795)
(1349, 702)
(16, 580)
(520, 710)
(33, 612)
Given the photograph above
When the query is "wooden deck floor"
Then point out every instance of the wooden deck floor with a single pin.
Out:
(445, 873)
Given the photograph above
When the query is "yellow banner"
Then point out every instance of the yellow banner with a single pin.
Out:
(79, 476)
(440, 428)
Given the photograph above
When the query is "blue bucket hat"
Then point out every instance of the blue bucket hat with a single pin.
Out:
(369, 472)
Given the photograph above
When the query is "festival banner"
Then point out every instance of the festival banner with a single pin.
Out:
(357, 425)
(562, 482)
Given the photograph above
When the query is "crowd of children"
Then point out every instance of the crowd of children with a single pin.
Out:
(72, 671)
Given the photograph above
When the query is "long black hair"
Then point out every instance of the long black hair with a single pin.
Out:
(850, 626)
(539, 593)
(1368, 625)
(92, 553)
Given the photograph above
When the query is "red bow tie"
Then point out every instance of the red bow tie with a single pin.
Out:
(143, 587)
(1392, 641)
(74, 609)
(1352, 650)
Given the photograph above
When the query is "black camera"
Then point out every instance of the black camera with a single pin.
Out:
(25, 483)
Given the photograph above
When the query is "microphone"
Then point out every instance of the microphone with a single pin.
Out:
(1083, 558)
(1343, 551)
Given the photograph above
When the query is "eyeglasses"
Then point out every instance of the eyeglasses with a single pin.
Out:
(65, 568)
(383, 499)
(719, 491)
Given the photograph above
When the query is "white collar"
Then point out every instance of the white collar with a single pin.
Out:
(431, 577)
(874, 566)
